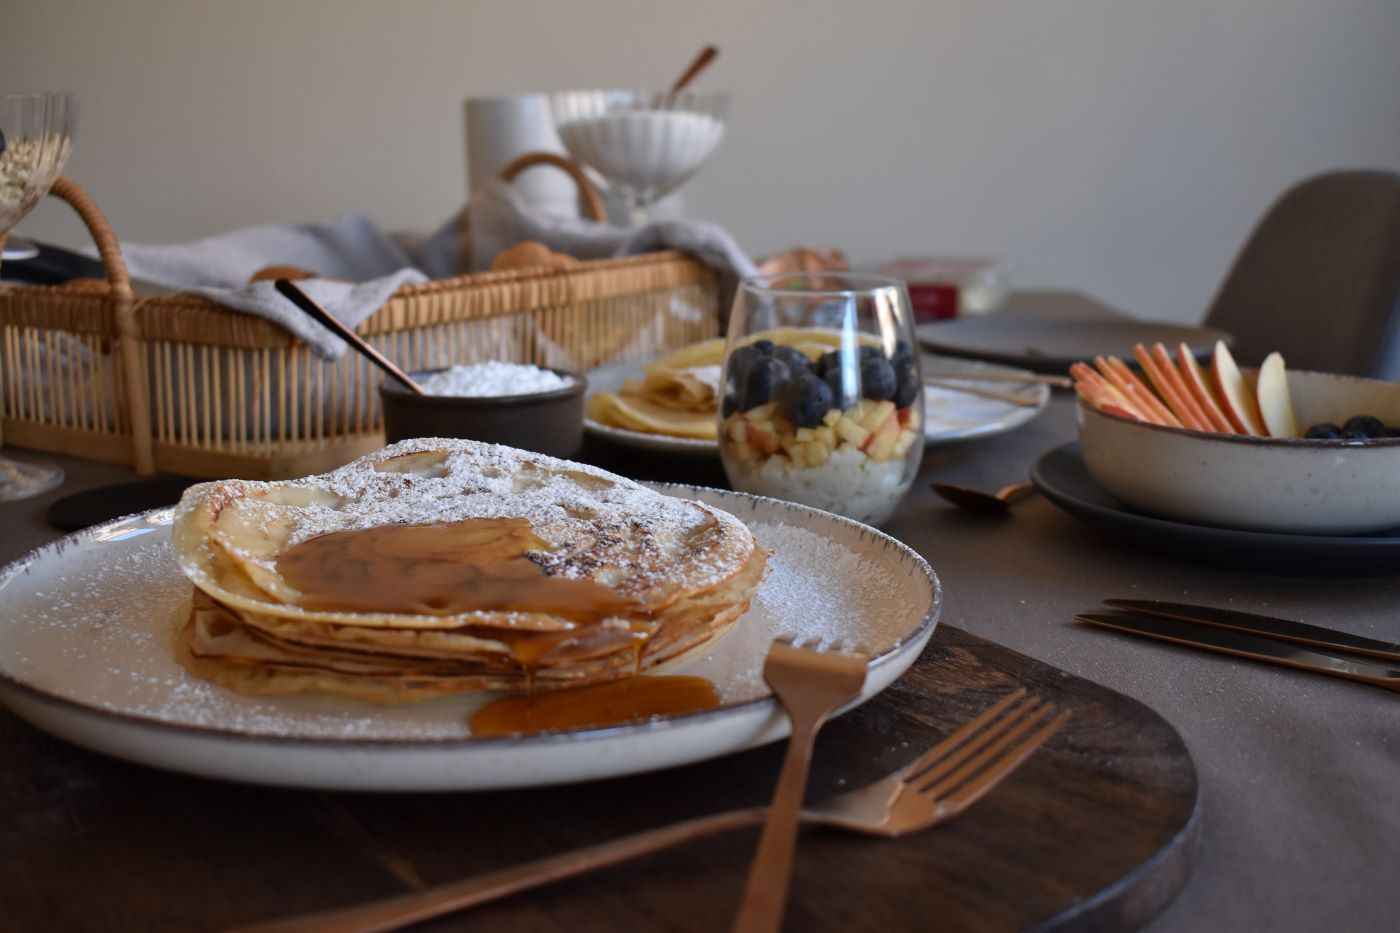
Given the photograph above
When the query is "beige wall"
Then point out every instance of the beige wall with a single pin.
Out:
(1120, 146)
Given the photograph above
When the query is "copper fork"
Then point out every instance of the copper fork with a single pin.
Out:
(811, 685)
(937, 786)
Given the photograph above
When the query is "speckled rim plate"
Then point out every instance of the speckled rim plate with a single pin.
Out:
(951, 417)
(423, 747)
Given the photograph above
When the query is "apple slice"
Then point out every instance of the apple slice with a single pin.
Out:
(1239, 403)
(1275, 401)
(1167, 382)
(1100, 393)
(1111, 409)
(1122, 378)
(1195, 379)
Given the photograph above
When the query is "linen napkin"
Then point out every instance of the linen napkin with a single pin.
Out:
(374, 263)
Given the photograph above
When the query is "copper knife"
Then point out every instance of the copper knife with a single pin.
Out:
(1241, 644)
(1268, 626)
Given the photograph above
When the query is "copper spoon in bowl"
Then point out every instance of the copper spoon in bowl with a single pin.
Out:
(702, 61)
(293, 293)
(975, 500)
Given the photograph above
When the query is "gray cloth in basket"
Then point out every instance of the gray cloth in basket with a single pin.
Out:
(375, 264)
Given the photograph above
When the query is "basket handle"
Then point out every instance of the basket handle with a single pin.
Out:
(592, 200)
(124, 306)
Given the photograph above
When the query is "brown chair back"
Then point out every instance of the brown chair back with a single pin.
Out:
(1319, 278)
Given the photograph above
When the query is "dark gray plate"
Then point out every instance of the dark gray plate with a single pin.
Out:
(1062, 477)
(1052, 345)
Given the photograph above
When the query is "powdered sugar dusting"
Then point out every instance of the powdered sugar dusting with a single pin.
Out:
(493, 379)
(94, 622)
(596, 524)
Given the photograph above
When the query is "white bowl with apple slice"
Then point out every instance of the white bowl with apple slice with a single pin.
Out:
(1169, 454)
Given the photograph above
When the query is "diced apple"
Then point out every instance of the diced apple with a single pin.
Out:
(877, 415)
(906, 440)
(826, 436)
(761, 413)
(742, 451)
(849, 430)
(906, 416)
(880, 445)
(762, 436)
(737, 428)
(797, 453)
(831, 417)
(805, 434)
(1275, 401)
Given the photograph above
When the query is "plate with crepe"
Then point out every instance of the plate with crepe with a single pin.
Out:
(443, 615)
(669, 404)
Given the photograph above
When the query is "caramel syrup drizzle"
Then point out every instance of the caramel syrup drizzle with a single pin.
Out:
(482, 564)
(443, 568)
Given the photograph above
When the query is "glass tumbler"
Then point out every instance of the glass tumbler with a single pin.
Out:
(823, 401)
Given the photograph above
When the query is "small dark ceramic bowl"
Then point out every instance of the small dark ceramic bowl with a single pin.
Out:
(548, 423)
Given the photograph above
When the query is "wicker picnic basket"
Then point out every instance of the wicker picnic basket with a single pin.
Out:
(179, 384)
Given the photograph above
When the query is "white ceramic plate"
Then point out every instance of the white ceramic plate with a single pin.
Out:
(87, 626)
(950, 416)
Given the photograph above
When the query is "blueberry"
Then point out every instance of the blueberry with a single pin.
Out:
(760, 382)
(764, 347)
(877, 379)
(1323, 432)
(1363, 426)
(828, 361)
(1391, 432)
(867, 352)
(836, 382)
(740, 361)
(805, 400)
(907, 380)
(795, 359)
(903, 352)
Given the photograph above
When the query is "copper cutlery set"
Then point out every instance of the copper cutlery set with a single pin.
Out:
(811, 685)
(1261, 638)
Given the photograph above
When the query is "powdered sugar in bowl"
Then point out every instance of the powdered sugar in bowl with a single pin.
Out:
(515, 404)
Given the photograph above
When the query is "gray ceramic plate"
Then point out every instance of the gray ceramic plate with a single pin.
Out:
(1062, 477)
(950, 416)
(87, 626)
(1052, 345)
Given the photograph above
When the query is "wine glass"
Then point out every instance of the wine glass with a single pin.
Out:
(645, 144)
(36, 133)
(823, 400)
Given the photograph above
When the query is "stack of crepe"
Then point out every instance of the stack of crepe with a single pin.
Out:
(442, 566)
(678, 395)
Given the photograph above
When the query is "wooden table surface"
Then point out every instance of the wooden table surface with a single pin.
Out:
(1300, 801)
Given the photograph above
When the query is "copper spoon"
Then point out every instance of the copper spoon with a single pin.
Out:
(975, 500)
(305, 302)
(702, 61)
